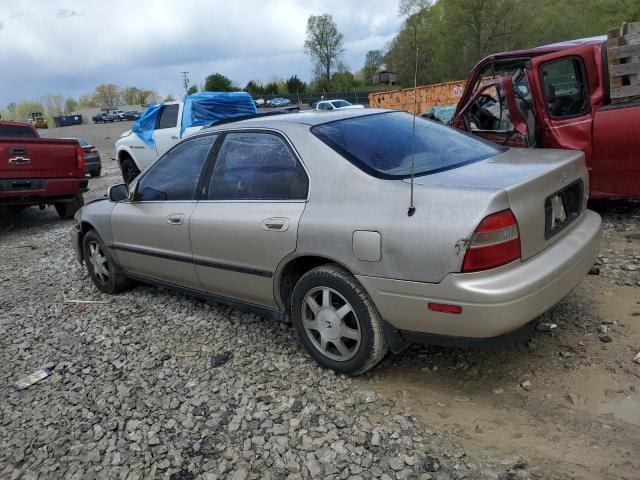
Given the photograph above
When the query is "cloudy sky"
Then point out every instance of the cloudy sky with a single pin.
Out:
(69, 47)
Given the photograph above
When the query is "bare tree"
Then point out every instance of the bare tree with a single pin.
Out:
(54, 104)
(324, 43)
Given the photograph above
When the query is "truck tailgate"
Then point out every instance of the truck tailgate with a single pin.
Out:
(38, 158)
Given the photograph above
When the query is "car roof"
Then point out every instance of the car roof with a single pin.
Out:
(545, 49)
(307, 117)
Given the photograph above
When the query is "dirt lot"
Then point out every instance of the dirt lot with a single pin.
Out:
(135, 393)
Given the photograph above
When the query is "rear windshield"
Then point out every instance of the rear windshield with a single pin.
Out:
(16, 131)
(381, 144)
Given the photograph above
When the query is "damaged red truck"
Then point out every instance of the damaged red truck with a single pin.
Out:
(559, 96)
(40, 171)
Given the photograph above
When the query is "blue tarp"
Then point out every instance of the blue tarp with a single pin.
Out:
(206, 107)
(144, 126)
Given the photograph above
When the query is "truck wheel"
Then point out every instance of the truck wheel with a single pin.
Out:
(129, 170)
(105, 274)
(66, 210)
(336, 321)
(95, 173)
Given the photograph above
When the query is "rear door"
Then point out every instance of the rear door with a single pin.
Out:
(151, 231)
(561, 91)
(248, 220)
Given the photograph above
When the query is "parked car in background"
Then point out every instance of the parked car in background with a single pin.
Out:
(162, 126)
(67, 120)
(559, 96)
(102, 117)
(92, 162)
(40, 171)
(278, 102)
(117, 115)
(259, 102)
(132, 115)
(245, 213)
(335, 105)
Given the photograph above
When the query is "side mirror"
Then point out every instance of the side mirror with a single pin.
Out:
(118, 192)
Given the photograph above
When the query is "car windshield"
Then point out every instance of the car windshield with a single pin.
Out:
(340, 103)
(381, 144)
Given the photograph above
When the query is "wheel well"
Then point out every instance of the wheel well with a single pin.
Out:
(122, 154)
(293, 271)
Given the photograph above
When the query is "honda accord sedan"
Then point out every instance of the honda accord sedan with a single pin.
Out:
(366, 233)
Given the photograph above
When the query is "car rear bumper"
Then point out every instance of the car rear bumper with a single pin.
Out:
(32, 191)
(494, 302)
(92, 162)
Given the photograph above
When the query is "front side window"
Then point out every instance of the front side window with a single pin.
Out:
(175, 175)
(564, 88)
(382, 144)
(168, 117)
(256, 166)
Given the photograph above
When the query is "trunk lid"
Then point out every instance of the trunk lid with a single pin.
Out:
(536, 183)
(38, 158)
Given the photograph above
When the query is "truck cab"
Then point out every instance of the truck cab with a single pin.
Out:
(557, 96)
(164, 125)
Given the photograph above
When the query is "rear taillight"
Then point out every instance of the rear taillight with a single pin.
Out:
(495, 242)
(90, 149)
(79, 158)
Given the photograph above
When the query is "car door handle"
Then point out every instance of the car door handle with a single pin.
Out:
(175, 137)
(277, 224)
(175, 219)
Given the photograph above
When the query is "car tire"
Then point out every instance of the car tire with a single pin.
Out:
(129, 170)
(336, 321)
(95, 173)
(66, 210)
(105, 273)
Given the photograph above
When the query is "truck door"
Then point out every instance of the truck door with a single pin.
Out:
(561, 91)
(493, 114)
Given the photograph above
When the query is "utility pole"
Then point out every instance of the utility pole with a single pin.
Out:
(185, 80)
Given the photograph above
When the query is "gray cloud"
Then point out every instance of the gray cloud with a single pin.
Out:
(66, 13)
(129, 43)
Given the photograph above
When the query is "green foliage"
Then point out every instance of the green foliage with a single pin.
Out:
(372, 63)
(218, 83)
(70, 106)
(294, 84)
(107, 95)
(25, 108)
(324, 43)
(271, 88)
(453, 35)
(342, 82)
(254, 88)
(192, 89)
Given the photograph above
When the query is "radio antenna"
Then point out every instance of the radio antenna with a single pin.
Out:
(412, 208)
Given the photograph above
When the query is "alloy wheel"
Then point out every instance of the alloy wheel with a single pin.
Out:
(99, 262)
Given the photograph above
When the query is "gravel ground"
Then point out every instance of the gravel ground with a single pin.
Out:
(154, 384)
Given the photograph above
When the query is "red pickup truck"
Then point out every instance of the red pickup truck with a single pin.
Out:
(559, 96)
(40, 171)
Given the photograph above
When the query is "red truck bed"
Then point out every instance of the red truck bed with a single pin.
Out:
(40, 171)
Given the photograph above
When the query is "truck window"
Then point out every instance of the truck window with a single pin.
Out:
(168, 117)
(490, 112)
(16, 131)
(564, 88)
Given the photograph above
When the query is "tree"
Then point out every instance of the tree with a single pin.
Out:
(12, 107)
(54, 104)
(271, 88)
(254, 87)
(107, 95)
(372, 63)
(86, 101)
(130, 95)
(324, 43)
(25, 108)
(218, 83)
(294, 85)
(192, 89)
(70, 106)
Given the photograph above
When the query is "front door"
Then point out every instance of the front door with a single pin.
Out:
(248, 219)
(167, 131)
(493, 114)
(151, 231)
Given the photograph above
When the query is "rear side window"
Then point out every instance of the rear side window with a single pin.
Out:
(381, 144)
(256, 166)
(168, 117)
(564, 87)
(175, 175)
(16, 131)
